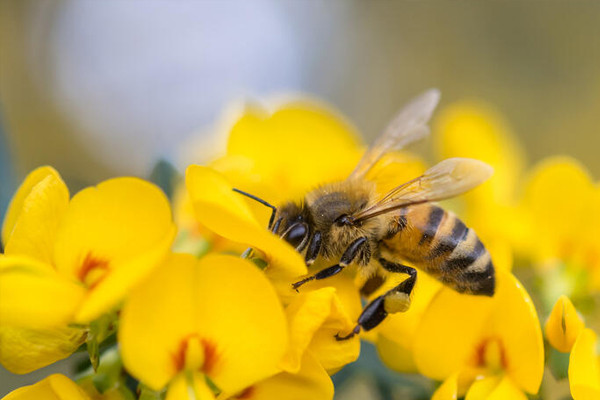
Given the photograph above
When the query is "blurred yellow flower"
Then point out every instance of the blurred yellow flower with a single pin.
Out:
(54, 387)
(548, 216)
(563, 325)
(562, 203)
(217, 318)
(584, 367)
(67, 262)
(279, 156)
(566, 332)
(484, 347)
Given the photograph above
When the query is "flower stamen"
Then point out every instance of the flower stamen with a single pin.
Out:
(92, 270)
(490, 354)
(195, 354)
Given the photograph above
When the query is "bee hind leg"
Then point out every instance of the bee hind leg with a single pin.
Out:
(399, 297)
(394, 300)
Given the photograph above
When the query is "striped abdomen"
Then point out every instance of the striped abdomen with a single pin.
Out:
(437, 242)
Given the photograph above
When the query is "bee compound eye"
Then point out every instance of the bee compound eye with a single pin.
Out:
(295, 234)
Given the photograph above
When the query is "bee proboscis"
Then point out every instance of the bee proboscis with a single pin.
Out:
(349, 222)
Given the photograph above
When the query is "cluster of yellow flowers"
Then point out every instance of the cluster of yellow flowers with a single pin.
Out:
(195, 316)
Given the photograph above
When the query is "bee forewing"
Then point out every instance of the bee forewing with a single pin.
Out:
(408, 126)
(446, 179)
(463, 172)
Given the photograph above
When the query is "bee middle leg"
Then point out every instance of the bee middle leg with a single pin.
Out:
(359, 245)
(394, 300)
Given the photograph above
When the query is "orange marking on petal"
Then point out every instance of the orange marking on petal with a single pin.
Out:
(209, 354)
(487, 350)
(246, 393)
(88, 272)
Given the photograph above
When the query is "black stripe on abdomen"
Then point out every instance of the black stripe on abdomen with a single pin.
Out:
(433, 223)
(460, 262)
(447, 243)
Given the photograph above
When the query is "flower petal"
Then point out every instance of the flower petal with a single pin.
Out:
(223, 211)
(449, 332)
(516, 324)
(494, 388)
(584, 368)
(467, 322)
(448, 390)
(563, 325)
(225, 302)
(396, 333)
(54, 387)
(34, 215)
(291, 147)
(190, 387)
(34, 295)
(111, 237)
(476, 131)
(311, 382)
(557, 196)
(23, 350)
(314, 318)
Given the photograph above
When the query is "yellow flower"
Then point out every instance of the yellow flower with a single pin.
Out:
(277, 156)
(556, 219)
(563, 325)
(484, 347)
(395, 336)
(217, 317)
(54, 387)
(584, 367)
(290, 150)
(475, 130)
(566, 332)
(67, 262)
(314, 317)
(564, 210)
(310, 382)
(225, 212)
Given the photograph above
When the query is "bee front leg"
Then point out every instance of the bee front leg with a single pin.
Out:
(360, 244)
(394, 300)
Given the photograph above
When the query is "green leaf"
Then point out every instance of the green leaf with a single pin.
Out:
(166, 177)
(148, 394)
(99, 330)
(558, 363)
(259, 262)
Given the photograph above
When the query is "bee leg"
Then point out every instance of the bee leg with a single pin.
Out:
(394, 300)
(313, 248)
(398, 298)
(360, 244)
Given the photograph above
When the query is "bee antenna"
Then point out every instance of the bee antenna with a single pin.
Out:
(261, 201)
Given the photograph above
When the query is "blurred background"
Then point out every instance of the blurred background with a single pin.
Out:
(99, 89)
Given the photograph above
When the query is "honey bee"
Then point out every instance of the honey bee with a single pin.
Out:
(350, 223)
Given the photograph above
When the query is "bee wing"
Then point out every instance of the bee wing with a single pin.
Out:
(408, 126)
(447, 179)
